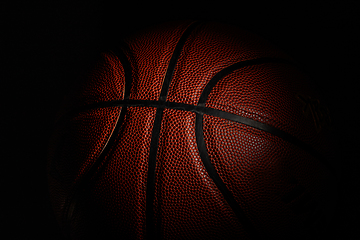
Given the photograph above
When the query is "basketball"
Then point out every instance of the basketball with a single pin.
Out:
(192, 130)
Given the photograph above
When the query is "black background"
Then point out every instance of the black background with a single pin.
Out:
(47, 44)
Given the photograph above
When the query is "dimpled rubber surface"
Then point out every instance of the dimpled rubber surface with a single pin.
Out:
(208, 50)
(120, 188)
(77, 145)
(103, 82)
(150, 53)
(78, 139)
(268, 93)
(249, 162)
(103, 153)
(188, 203)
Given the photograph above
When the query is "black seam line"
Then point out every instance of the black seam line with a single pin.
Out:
(174, 58)
(85, 180)
(203, 97)
(240, 214)
(236, 66)
(150, 186)
(286, 136)
(217, 113)
(127, 69)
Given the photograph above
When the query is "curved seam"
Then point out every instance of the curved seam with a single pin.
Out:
(199, 109)
(228, 70)
(72, 200)
(150, 190)
(222, 114)
(228, 196)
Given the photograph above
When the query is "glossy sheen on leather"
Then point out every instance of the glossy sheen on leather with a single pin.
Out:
(274, 183)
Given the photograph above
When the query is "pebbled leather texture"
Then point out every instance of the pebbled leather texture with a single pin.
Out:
(258, 184)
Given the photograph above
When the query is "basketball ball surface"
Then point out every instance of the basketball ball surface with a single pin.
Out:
(192, 130)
